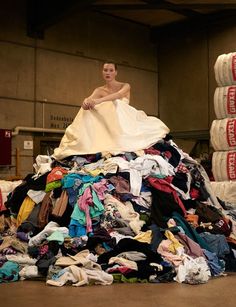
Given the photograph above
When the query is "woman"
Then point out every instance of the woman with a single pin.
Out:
(107, 123)
(110, 91)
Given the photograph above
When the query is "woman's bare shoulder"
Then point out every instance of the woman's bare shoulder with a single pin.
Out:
(123, 83)
(100, 91)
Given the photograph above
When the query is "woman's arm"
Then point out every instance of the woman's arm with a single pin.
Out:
(117, 95)
(98, 97)
(89, 101)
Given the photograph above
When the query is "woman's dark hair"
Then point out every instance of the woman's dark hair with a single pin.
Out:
(111, 62)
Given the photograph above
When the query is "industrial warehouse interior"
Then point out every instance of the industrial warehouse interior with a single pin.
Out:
(118, 153)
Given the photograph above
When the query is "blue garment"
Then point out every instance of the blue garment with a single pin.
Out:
(157, 236)
(76, 229)
(216, 266)
(72, 196)
(57, 275)
(217, 243)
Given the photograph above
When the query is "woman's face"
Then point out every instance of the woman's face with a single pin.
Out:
(109, 72)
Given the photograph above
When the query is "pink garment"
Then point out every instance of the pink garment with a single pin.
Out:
(2, 206)
(100, 188)
(163, 250)
(84, 202)
(121, 269)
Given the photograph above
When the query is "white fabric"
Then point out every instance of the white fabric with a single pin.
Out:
(124, 262)
(36, 196)
(126, 211)
(81, 276)
(30, 271)
(113, 126)
(81, 258)
(22, 259)
(193, 271)
(46, 232)
(141, 167)
(225, 190)
(42, 165)
(7, 187)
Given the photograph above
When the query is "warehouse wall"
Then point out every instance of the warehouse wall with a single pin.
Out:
(183, 81)
(186, 59)
(43, 82)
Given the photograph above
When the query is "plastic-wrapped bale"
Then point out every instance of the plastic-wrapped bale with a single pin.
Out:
(223, 134)
(225, 190)
(224, 165)
(225, 69)
(225, 102)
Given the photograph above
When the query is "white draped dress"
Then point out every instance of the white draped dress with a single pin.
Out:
(112, 126)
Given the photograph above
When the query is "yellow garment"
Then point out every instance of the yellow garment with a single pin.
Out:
(25, 210)
(94, 172)
(175, 246)
(144, 237)
(112, 126)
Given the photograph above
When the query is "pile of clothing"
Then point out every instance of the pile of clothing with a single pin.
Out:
(146, 216)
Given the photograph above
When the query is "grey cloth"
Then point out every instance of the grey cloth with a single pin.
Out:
(31, 223)
(133, 255)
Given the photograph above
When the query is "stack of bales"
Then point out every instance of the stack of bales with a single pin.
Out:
(223, 129)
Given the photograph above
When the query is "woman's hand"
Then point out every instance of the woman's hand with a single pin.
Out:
(88, 104)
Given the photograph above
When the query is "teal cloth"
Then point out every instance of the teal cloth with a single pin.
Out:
(68, 181)
(95, 210)
(9, 272)
(57, 236)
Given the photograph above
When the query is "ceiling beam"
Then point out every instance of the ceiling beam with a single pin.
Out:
(172, 7)
(185, 12)
(164, 5)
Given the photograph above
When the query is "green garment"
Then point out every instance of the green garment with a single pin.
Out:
(52, 185)
(120, 278)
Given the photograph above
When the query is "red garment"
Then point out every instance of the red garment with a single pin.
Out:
(164, 185)
(194, 193)
(56, 174)
(152, 151)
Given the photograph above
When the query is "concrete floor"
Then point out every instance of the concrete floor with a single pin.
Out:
(218, 292)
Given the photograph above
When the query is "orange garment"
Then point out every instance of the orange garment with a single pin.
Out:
(192, 219)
